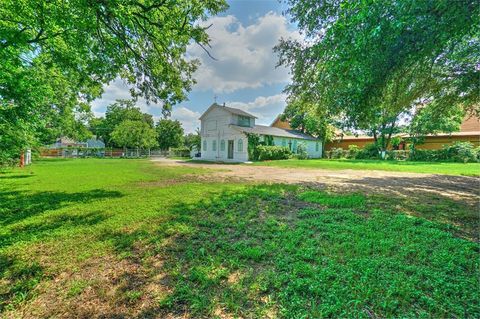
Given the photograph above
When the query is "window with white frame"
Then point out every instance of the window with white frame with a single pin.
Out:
(240, 145)
(222, 145)
(214, 145)
(204, 145)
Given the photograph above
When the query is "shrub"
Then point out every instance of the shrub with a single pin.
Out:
(398, 155)
(179, 151)
(353, 151)
(424, 155)
(370, 151)
(302, 151)
(338, 153)
(462, 152)
(477, 153)
(273, 152)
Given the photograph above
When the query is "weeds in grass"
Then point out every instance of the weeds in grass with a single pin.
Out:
(219, 250)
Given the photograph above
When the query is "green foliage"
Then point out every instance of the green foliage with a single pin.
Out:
(253, 144)
(170, 133)
(136, 134)
(310, 252)
(398, 155)
(57, 56)
(334, 200)
(303, 116)
(353, 151)
(179, 151)
(428, 120)
(371, 71)
(116, 113)
(421, 167)
(266, 153)
(255, 141)
(461, 152)
(302, 151)
(193, 140)
(369, 151)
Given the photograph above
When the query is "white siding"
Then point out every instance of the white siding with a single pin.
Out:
(215, 127)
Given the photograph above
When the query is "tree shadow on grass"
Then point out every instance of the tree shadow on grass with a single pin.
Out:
(20, 276)
(15, 176)
(221, 258)
(16, 206)
(450, 200)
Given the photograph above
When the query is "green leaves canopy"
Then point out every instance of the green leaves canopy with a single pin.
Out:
(170, 133)
(371, 62)
(57, 55)
(134, 134)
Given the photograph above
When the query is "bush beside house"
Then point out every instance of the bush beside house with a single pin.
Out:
(273, 152)
(460, 152)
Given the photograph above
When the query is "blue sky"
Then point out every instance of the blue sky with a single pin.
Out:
(244, 74)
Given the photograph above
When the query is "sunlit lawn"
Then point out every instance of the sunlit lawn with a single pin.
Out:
(467, 169)
(113, 238)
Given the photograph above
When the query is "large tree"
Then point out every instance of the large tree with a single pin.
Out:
(372, 62)
(193, 140)
(115, 114)
(170, 133)
(135, 134)
(57, 55)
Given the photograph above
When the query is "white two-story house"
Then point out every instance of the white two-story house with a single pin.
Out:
(223, 135)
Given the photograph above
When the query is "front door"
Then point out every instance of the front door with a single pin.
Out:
(230, 149)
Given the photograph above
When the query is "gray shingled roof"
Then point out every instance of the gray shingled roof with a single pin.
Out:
(229, 109)
(238, 111)
(274, 131)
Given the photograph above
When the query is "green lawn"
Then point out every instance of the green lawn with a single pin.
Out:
(126, 238)
(468, 169)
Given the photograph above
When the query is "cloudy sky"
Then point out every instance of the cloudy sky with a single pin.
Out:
(244, 74)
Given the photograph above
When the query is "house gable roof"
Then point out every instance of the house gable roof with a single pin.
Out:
(228, 109)
(274, 131)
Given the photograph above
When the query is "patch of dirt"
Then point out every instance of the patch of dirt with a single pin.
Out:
(106, 282)
(401, 184)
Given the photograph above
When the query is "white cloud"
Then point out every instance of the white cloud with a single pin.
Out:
(245, 57)
(189, 119)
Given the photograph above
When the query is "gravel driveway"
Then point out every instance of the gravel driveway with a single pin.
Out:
(398, 183)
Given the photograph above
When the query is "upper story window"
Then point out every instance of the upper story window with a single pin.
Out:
(243, 120)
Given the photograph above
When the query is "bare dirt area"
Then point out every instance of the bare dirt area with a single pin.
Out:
(396, 183)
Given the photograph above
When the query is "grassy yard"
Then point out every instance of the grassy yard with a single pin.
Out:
(126, 238)
(468, 169)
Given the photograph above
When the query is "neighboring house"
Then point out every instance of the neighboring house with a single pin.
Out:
(223, 135)
(66, 147)
(64, 142)
(469, 132)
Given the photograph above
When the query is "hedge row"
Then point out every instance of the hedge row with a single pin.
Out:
(462, 152)
(179, 151)
(273, 152)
